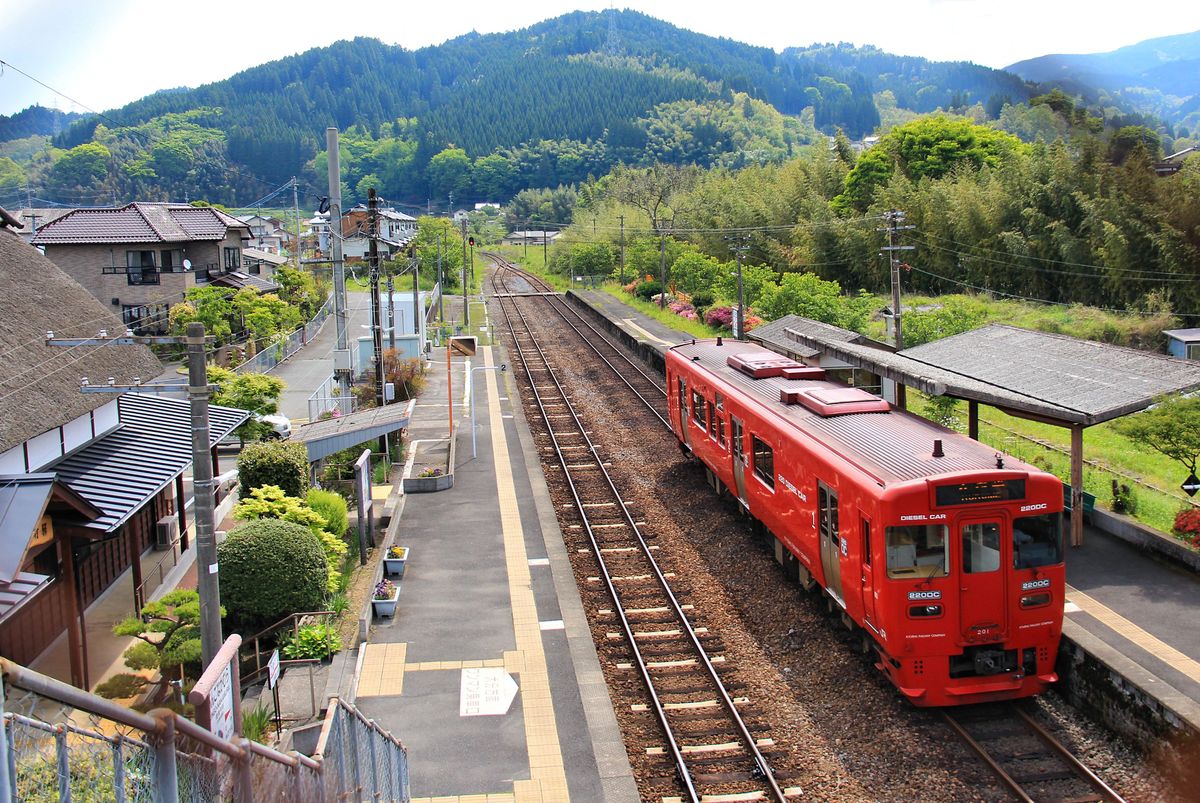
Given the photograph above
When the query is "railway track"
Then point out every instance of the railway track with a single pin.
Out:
(1027, 759)
(705, 736)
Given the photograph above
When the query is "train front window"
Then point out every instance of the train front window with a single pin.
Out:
(980, 548)
(917, 551)
(1037, 540)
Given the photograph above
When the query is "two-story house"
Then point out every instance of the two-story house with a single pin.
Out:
(141, 258)
(396, 230)
(91, 484)
(267, 233)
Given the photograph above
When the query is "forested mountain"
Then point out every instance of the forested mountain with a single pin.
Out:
(485, 116)
(35, 121)
(1158, 76)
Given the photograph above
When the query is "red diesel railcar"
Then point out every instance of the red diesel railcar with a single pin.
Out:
(948, 555)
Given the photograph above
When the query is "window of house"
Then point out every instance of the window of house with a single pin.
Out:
(1193, 351)
(139, 267)
(172, 260)
(254, 268)
(764, 462)
(233, 258)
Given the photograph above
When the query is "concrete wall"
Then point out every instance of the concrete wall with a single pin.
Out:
(1145, 538)
(651, 354)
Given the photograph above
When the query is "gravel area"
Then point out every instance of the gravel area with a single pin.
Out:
(841, 731)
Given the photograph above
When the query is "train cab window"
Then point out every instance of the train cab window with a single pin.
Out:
(699, 414)
(917, 551)
(764, 462)
(980, 548)
(1037, 540)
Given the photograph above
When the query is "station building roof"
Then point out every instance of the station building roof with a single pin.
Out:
(1038, 375)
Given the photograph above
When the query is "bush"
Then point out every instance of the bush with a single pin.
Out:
(270, 569)
(312, 641)
(647, 290)
(1124, 499)
(702, 300)
(1187, 525)
(274, 463)
(332, 508)
(269, 502)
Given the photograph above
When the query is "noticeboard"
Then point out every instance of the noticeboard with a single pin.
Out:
(215, 695)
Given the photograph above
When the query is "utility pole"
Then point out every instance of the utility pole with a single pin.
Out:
(376, 302)
(740, 245)
(441, 282)
(662, 267)
(341, 357)
(296, 212)
(466, 303)
(418, 310)
(894, 218)
(199, 392)
(545, 246)
(622, 249)
(391, 314)
(525, 237)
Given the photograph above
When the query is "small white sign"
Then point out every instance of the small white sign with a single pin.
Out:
(220, 705)
(485, 692)
(273, 670)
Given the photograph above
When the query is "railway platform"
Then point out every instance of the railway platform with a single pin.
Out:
(487, 671)
(1129, 606)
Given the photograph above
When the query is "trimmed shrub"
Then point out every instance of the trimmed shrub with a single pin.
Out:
(270, 569)
(274, 463)
(647, 290)
(332, 507)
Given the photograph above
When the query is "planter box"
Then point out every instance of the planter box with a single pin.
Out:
(395, 565)
(386, 607)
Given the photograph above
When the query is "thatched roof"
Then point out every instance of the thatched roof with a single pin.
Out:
(39, 384)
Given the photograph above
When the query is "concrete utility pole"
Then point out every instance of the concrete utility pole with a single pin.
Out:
(441, 282)
(740, 245)
(622, 249)
(466, 302)
(894, 219)
(418, 311)
(341, 357)
(199, 392)
(391, 313)
(376, 305)
(662, 267)
(296, 210)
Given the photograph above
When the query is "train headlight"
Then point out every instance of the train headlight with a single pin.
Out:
(1035, 600)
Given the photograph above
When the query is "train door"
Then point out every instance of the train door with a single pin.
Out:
(831, 544)
(868, 581)
(683, 414)
(982, 604)
(738, 450)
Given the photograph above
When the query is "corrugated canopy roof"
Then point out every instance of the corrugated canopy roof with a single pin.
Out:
(153, 445)
(324, 438)
(1050, 376)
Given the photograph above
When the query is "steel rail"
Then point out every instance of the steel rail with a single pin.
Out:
(763, 767)
(562, 308)
(1069, 760)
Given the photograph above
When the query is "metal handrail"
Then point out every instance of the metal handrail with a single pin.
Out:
(293, 619)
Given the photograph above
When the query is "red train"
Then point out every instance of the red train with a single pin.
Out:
(946, 554)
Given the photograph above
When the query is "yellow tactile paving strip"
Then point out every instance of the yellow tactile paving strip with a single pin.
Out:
(380, 493)
(382, 670)
(433, 666)
(548, 778)
(502, 797)
(1127, 629)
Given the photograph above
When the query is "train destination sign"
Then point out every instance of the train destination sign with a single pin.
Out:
(978, 493)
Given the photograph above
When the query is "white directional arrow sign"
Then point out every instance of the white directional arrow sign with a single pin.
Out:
(1191, 485)
(485, 692)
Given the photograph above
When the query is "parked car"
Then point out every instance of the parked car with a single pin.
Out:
(280, 429)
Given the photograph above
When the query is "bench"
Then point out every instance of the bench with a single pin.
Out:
(1089, 503)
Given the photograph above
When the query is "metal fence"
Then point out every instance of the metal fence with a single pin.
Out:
(277, 352)
(327, 399)
(59, 743)
(361, 760)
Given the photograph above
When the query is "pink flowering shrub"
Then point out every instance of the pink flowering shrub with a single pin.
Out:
(721, 317)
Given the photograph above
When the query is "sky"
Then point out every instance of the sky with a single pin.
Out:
(101, 54)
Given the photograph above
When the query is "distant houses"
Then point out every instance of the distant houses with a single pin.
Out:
(537, 238)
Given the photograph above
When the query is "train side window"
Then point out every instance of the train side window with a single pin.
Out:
(980, 548)
(866, 542)
(764, 462)
(735, 434)
(698, 412)
(917, 551)
(1037, 540)
(714, 415)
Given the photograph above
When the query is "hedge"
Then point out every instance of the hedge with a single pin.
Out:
(274, 463)
(270, 569)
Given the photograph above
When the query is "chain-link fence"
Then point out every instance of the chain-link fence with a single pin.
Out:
(361, 760)
(63, 744)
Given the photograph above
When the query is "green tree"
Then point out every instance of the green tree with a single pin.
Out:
(82, 166)
(168, 634)
(270, 502)
(258, 393)
(449, 172)
(1171, 428)
(284, 465)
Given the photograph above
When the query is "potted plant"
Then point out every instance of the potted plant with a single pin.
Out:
(386, 595)
(394, 560)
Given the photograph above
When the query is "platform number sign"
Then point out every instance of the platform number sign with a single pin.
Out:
(1191, 485)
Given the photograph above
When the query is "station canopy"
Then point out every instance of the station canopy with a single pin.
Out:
(323, 438)
(1038, 375)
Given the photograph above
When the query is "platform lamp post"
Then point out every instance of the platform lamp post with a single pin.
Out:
(501, 368)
